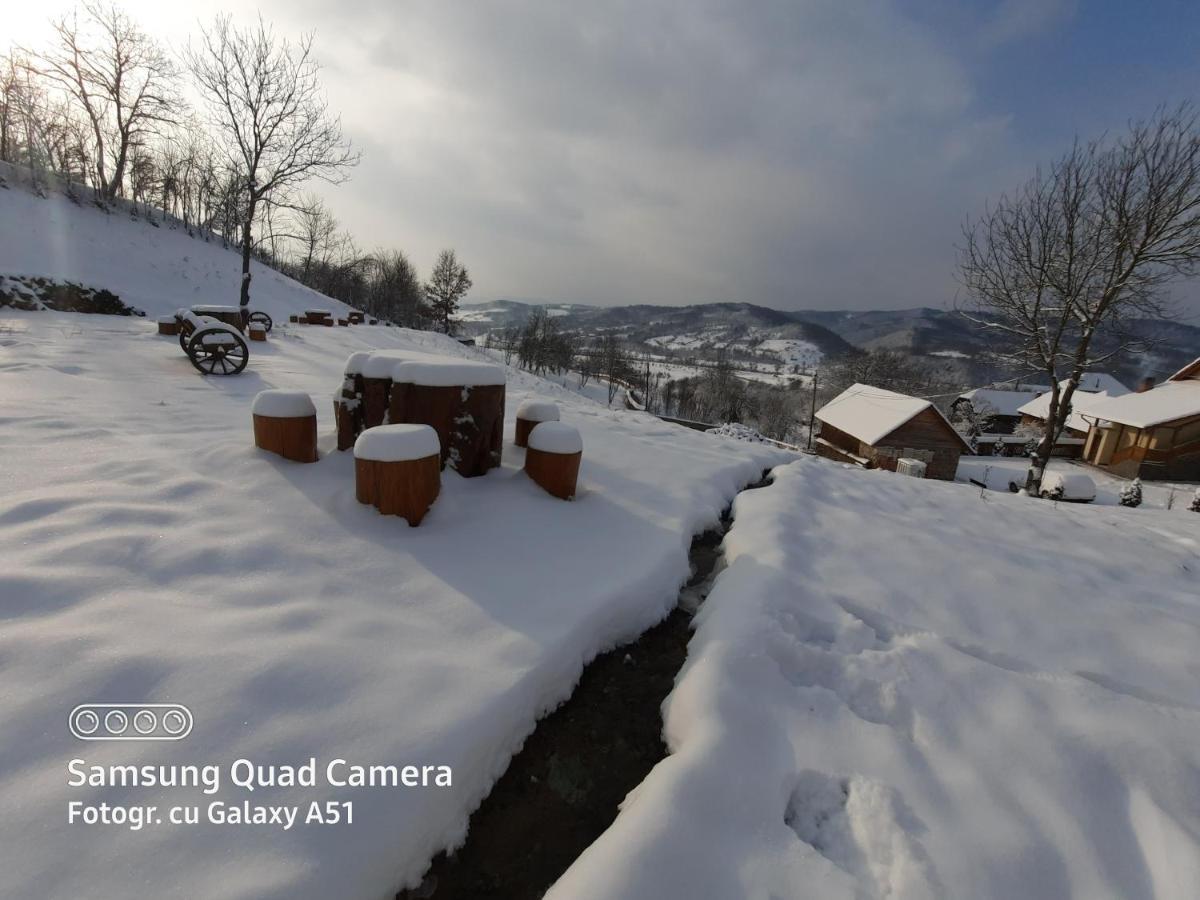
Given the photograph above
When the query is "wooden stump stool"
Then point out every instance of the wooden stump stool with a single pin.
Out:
(285, 422)
(464, 402)
(397, 469)
(233, 316)
(257, 331)
(168, 325)
(531, 413)
(553, 457)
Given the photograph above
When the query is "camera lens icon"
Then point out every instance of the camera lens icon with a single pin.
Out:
(130, 721)
(86, 722)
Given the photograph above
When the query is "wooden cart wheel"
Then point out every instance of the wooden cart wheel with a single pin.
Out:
(186, 330)
(262, 318)
(218, 351)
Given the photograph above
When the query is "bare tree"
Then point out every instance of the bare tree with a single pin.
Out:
(447, 285)
(120, 78)
(1086, 248)
(266, 104)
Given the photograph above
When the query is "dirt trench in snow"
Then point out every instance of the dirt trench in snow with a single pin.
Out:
(561, 791)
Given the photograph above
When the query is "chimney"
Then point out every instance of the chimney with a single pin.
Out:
(1145, 384)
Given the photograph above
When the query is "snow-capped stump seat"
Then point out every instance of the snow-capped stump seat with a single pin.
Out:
(347, 404)
(257, 331)
(285, 422)
(397, 469)
(531, 413)
(168, 325)
(233, 316)
(355, 317)
(553, 457)
(464, 402)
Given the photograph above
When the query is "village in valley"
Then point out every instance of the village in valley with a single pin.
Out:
(751, 516)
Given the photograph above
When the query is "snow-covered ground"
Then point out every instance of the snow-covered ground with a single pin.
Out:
(151, 553)
(904, 689)
(155, 269)
(997, 471)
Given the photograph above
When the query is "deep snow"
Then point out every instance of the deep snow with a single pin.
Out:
(907, 689)
(155, 269)
(150, 552)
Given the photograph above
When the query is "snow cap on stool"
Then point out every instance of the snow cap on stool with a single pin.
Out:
(396, 443)
(354, 363)
(538, 411)
(555, 437)
(166, 320)
(448, 372)
(283, 405)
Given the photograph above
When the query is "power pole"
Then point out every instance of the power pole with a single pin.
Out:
(812, 413)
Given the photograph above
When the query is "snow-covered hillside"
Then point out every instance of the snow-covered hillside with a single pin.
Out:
(905, 689)
(155, 269)
(150, 552)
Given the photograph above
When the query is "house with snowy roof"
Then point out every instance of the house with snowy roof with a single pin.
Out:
(998, 408)
(873, 428)
(1152, 434)
(1094, 388)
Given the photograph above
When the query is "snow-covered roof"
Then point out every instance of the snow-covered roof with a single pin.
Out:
(1101, 383)
(870, 413)
(1004, 403)
(1165, 403)
(1191, 370)
(1082, 403)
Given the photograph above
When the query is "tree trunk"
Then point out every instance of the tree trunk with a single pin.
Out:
(244, 296)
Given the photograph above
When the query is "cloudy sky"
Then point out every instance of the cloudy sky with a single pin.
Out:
(793, 153)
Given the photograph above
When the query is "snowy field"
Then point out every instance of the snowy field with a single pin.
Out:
(902, 689)
(150, 552)
(156, 270)
(997, 471)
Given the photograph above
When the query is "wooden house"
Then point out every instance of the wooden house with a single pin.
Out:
(874, 428)
(1094, 388)
(1152, 434)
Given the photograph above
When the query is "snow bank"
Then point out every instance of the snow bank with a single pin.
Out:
(1073, 485)
(393, 443)
(283, 405)
(538, 411)
(156, 269)
(148, 551)
(739, 432)
(448, 373)
(555, 437)
(1000, 703)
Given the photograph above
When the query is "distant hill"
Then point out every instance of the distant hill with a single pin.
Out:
(924, 331)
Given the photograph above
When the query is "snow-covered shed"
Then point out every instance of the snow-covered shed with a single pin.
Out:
(1152, 434)
(872, 427)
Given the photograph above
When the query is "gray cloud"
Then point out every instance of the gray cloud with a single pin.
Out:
(784, 153)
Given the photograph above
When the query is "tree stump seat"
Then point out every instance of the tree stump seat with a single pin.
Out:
(257, 332)
(464, 402)
(530, 414)
(233, 316)
(397, 469)
(168, 325)
(285, 423)
(552, 458)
